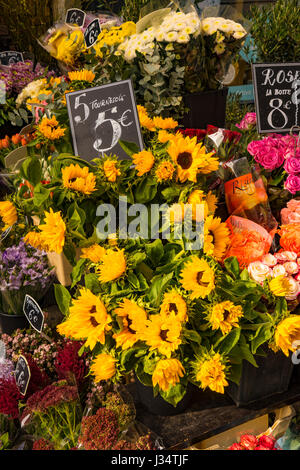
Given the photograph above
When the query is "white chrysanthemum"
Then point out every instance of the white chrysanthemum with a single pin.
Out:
(219, 49)
(239, 34)
(183, 38)
(32, 90)
(147, 36)
(129, 55)
(171, 36)
(208, 29)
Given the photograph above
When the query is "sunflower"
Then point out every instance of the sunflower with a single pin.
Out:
(161, 123)
(34, 239)
(50, 129)
(94, 253)
(281, 286)
(78, 179)
(162, 333)
(113, 265)
(133, 320)
(111, 170)
(103, 367)
(207, 161)
(184, 152)
(88, 319)
(167, 373)
(198, 277)
(8, 213)
(174, 302)
(164, 171)
(208, 200)
(146, 121)
(287, 331)
(216, 237)
(53, 231)
(143, 161)
(224, 316)
(164, 136)
(81, 75)
(210, 372)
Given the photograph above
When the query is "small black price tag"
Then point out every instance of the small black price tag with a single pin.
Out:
(5, 233)
(33, 313)
(22, 375)
(92, 32)
(75, 16)
(10, 57)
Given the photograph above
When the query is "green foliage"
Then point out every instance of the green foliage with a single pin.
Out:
(63, 298)
(276, 31)
(131, 9)
(235, 110)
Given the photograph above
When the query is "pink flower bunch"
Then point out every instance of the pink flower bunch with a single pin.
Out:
(276, 150)
(284, 263)
(250, 442)
(291, 213)
(248, 121)
(51, 396)
(9, 397)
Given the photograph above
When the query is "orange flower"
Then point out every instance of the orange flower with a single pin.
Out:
(247, 247)
(290, 237)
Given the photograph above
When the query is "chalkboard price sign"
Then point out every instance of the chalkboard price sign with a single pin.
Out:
(102, 116)
(33, 313)
(92, 32)
(10, 57)
(277, 96)
(22, 375)
(75, 16)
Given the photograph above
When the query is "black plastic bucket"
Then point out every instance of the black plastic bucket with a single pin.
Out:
(10, 323)
(205, 108)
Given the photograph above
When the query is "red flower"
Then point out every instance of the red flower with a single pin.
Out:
(38, 378)
(9, 398)
(236, 446)
(68, 362)
(99, 431)
(42, 444)
(199, 133)
(248, 441)
(267, 441)
(262, 448)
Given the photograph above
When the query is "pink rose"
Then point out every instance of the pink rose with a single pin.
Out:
(292, 165)
(294, 289)
(284, 256)
(259, 271)
(270, 159)
(292, 183)
(294, 205)
(279, 270)
(291, 267)
(289, 217)
(269, 260)
(248, 121)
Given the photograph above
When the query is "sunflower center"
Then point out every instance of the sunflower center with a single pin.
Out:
(185, 160)
(129, 323)
(212, 235)
(173, 308)
(94, 321)
(199, 279)
(226, 314)
(72, 180)
(163, 335)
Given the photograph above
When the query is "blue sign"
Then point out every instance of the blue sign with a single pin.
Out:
(246, 91)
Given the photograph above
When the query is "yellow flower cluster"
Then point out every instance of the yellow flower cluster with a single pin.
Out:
(66, 45)
(8, 214)
(114, 36)
(78, 179)
(210, 372)
(50, 129)
(52, 233)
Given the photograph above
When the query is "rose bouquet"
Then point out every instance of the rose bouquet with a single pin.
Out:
(251, 442)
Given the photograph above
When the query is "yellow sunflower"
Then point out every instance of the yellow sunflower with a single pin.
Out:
(34, 239)
(164, 136)
(78, 179)
(133, 320)
(209, 201)
(82, 75)
(174, 302)
(210, 372)
(162, 333)
(164, 171)
(111, 170)
(224, 316)
(88, 319)
(216, 237)
(207, 161)
(53, 231)
(103, 367)
(50, 128)
(113, 265)
(287, 331)
(281, 286)
(167, 373)
(8, 213)
(146, 121)
(143, 161)
(184, 152)
(161, 123)
(198, 277)
(94, 253)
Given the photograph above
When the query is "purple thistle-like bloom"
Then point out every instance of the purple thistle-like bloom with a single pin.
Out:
(21, 74)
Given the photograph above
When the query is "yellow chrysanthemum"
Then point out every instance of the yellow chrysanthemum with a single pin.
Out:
(281, 286)
(167, 373)
(216, 237)
(198, 277)
(113, 265)
(161, 123)
(50, 129)
(8, 213)
(78, 179)
(94, 253)
(133, 320)
(111, 170)
(287, 331)
(224, 316)
(66, 48)
(53, 231)
(162, 333)
(164, 171)
(34, 239)
(103, 367)
(174, 302)
(210, 372)
(143, 161)
(88, 319)
(82, 75)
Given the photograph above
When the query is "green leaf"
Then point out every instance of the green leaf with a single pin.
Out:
(232, 266)
(92, 283)
(263, 334)
(192, 335)
(63, 298)
(128, 359)
(146, 191)
(78, 271)
(155, 251)
(136, 259)
(144, 378)
(129, 147)
(41, 194)
(229, 341)
(158, 284)
(235, 373)
(32, 170)
(174, 394)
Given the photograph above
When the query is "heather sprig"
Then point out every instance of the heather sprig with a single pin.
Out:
(20, 74)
